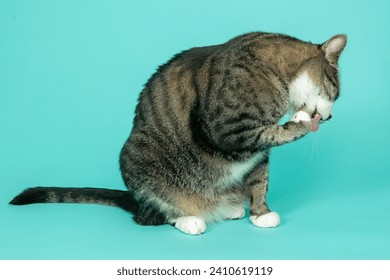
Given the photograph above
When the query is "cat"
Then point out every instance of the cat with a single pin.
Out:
(204, 126)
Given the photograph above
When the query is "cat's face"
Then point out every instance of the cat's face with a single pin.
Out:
(329, 90)
(316, 86)
(307, 93)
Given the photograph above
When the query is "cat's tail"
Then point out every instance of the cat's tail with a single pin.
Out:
(118, 198)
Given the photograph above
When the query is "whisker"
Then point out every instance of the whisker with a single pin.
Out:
(318, 145)
(312, 151)
(315, 155)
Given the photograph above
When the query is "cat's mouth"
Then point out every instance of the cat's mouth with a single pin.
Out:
(316, 120)
(317, 116)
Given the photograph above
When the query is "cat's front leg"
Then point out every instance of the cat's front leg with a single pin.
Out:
(277, 135)
(260, 215)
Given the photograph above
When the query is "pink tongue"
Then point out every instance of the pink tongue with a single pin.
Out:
(315, 123)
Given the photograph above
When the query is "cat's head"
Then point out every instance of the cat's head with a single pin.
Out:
(316, 85)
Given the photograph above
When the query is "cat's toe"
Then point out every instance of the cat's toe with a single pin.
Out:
(268, 220)
(301, 116)
(191, 225)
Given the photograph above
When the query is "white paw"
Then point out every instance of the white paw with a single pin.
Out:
(268, 220)
(236, 213)
(300, 116)
(191, 225)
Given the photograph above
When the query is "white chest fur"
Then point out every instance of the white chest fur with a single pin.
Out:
(236, 171)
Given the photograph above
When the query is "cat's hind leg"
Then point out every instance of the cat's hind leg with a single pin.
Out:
(191, 225)
(195, 225)
(230, 206)
(235, 213)
(148, 214)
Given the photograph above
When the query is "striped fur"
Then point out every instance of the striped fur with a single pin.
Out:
(205, 123)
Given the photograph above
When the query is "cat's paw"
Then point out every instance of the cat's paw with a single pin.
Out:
(191, 225)
(268, 220)
(301, 116)
(235, 213)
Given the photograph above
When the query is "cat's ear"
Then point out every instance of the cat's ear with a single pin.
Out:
(334, 46)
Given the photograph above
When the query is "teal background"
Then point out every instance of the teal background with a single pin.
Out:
(70, 75)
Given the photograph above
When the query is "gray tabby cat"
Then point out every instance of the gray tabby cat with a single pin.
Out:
(204, 127)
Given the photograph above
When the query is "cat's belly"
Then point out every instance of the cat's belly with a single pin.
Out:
(236, 171)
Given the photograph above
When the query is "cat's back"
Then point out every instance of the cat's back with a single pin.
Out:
(174, 90)
(161, 136)
(171, 92)
(187, 73)
(169, 138)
